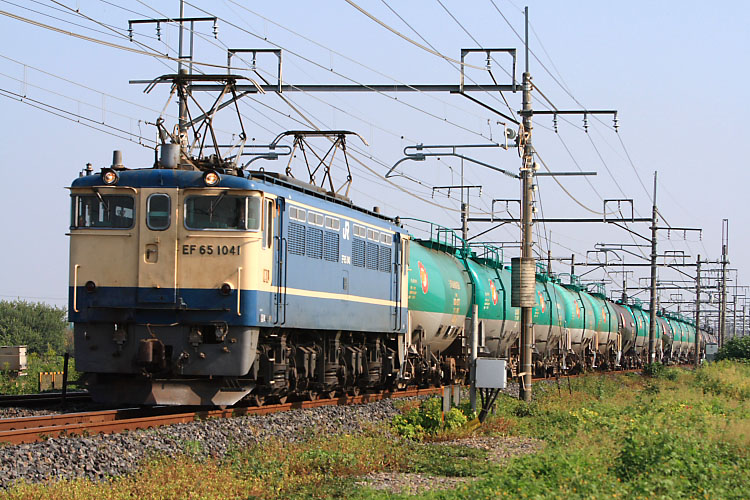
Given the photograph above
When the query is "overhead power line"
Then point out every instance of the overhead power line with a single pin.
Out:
(413, 42)
(76, 118)
(110, 44)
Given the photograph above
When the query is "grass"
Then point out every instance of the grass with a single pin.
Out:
(677, 434)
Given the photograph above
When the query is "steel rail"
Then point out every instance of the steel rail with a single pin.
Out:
(38, 428)
(7, 400)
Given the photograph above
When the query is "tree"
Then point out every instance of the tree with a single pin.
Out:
(39, 326)
(735, 348)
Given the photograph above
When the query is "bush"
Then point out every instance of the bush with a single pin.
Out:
(38, 326)
(658, 370)
(735, 348)
(427, 418)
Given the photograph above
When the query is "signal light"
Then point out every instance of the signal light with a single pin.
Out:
(211, 178)
(90, 286)
(109, 176)
(226, 289)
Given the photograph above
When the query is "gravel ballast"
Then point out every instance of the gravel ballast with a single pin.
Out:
(102, 456)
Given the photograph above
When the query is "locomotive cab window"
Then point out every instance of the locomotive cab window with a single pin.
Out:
(158, 211)
(223, 212)
(268, 242)
(98, 211)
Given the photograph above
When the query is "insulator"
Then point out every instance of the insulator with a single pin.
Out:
(158, 31)
(586, 123)
(489, 61)
(216, 30)
(615, 123)
(130, 34)
(554, 122)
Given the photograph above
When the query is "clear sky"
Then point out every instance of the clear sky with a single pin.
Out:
(676, 71)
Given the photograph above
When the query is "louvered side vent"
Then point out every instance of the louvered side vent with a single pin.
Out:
(331, 246)
(296, 239)
(384, 256)
(372, 255)
(314, 243)
(358, 252)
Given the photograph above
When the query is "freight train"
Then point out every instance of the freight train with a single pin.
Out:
(196, 283)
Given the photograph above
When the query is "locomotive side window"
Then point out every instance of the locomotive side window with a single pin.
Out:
(315, 219)
(297, 214)
(158, 211)
(102, 211)
(223, 212)
(332, 223)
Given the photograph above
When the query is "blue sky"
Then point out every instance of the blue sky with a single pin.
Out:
(675, 71)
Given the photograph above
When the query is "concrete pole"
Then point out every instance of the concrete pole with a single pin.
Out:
(723, 305)
(572, 265)
(724, 262)
(697, 310)
(652, 312)
(464, 207)
(527, 223)
(182, 98)
(474, 353)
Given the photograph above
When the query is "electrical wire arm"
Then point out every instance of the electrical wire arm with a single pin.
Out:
(420, 155)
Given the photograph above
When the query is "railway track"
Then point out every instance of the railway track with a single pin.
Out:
(42, 399)
(37, 428)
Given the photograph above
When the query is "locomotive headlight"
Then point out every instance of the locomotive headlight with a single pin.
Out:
(226, 289)
(109, 176)
(211, 178)
(90, 286)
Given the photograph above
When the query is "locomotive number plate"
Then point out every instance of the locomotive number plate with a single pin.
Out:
(211, 250)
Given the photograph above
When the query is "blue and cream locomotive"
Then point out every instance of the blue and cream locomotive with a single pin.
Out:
(195, 286)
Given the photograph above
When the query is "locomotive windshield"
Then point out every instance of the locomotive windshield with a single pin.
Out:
(223, 211)
(102, 211)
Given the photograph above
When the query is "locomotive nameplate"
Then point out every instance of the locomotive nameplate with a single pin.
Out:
(219, 250)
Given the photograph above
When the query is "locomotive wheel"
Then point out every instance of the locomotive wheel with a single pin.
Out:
(281, 399)
(257, 399)
(354, 391)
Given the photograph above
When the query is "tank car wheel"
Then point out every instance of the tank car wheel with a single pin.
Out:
(281, 399)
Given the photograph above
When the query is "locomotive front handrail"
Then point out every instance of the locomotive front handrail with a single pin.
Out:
(75, 287)
(239, 290)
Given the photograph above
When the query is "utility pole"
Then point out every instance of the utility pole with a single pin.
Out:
(464, 208)
(182, 83)
(652, 307)
(723, 305)
(527, 263)
(572, 265)
(697, 310)
(183, 94)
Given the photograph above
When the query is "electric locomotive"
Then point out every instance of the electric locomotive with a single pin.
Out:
(200, 286)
